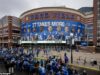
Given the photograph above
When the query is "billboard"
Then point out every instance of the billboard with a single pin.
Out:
(51, 30)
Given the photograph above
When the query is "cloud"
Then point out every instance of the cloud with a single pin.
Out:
(16, 7)
(13, 7)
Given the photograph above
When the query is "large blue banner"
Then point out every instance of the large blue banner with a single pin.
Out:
(52, 30)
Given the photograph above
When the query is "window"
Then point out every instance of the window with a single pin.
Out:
(36, 16)
(46, 15)
(58, 15)
(41, 15)
(54, 15)
(71, 16)
(16, 21)
(27, 18)
(0, 32)
(99, 4)
(6, 30)
(10, 21)
(63, 15)
(99, 17)
(15, 31)
(32, 17)
(78, 18)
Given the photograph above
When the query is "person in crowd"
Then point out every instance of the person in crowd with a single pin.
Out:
(38, 51)
(91, 61)
(12, 64)
(18, 65)
(42, 70)
(64, 69)
(58, 72)
(70, 71)
(85, 61)
(84, 72)
(75, 72)
(28, 63)
(78, 60)
(21, 50)
(66, 58)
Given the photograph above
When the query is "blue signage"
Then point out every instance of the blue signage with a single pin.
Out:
(52, 30)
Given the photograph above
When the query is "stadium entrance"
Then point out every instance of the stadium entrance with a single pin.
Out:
(46, 46)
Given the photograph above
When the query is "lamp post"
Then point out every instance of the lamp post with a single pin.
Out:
(71, 42)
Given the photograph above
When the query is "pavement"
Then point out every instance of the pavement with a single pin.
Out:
(2, 68)
(76, 56)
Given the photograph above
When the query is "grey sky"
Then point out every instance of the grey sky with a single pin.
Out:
(17, 7)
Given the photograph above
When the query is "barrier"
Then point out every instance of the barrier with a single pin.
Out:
(72, 65)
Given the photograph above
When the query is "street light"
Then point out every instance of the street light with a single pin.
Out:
(71, 39)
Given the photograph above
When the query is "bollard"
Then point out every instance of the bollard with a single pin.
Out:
(85, 61)
(99, 66)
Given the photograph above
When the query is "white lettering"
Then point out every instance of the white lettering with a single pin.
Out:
(49, 23)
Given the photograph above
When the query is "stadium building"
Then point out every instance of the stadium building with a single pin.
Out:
(51, 26)
(9, 31)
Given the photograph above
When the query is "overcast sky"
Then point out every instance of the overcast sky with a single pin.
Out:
(17, 7)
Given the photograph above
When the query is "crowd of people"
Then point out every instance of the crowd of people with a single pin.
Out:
(16, 59)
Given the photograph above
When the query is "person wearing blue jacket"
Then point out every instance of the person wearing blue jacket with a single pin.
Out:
(64, 70)
(42, 70)
(66, 58)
